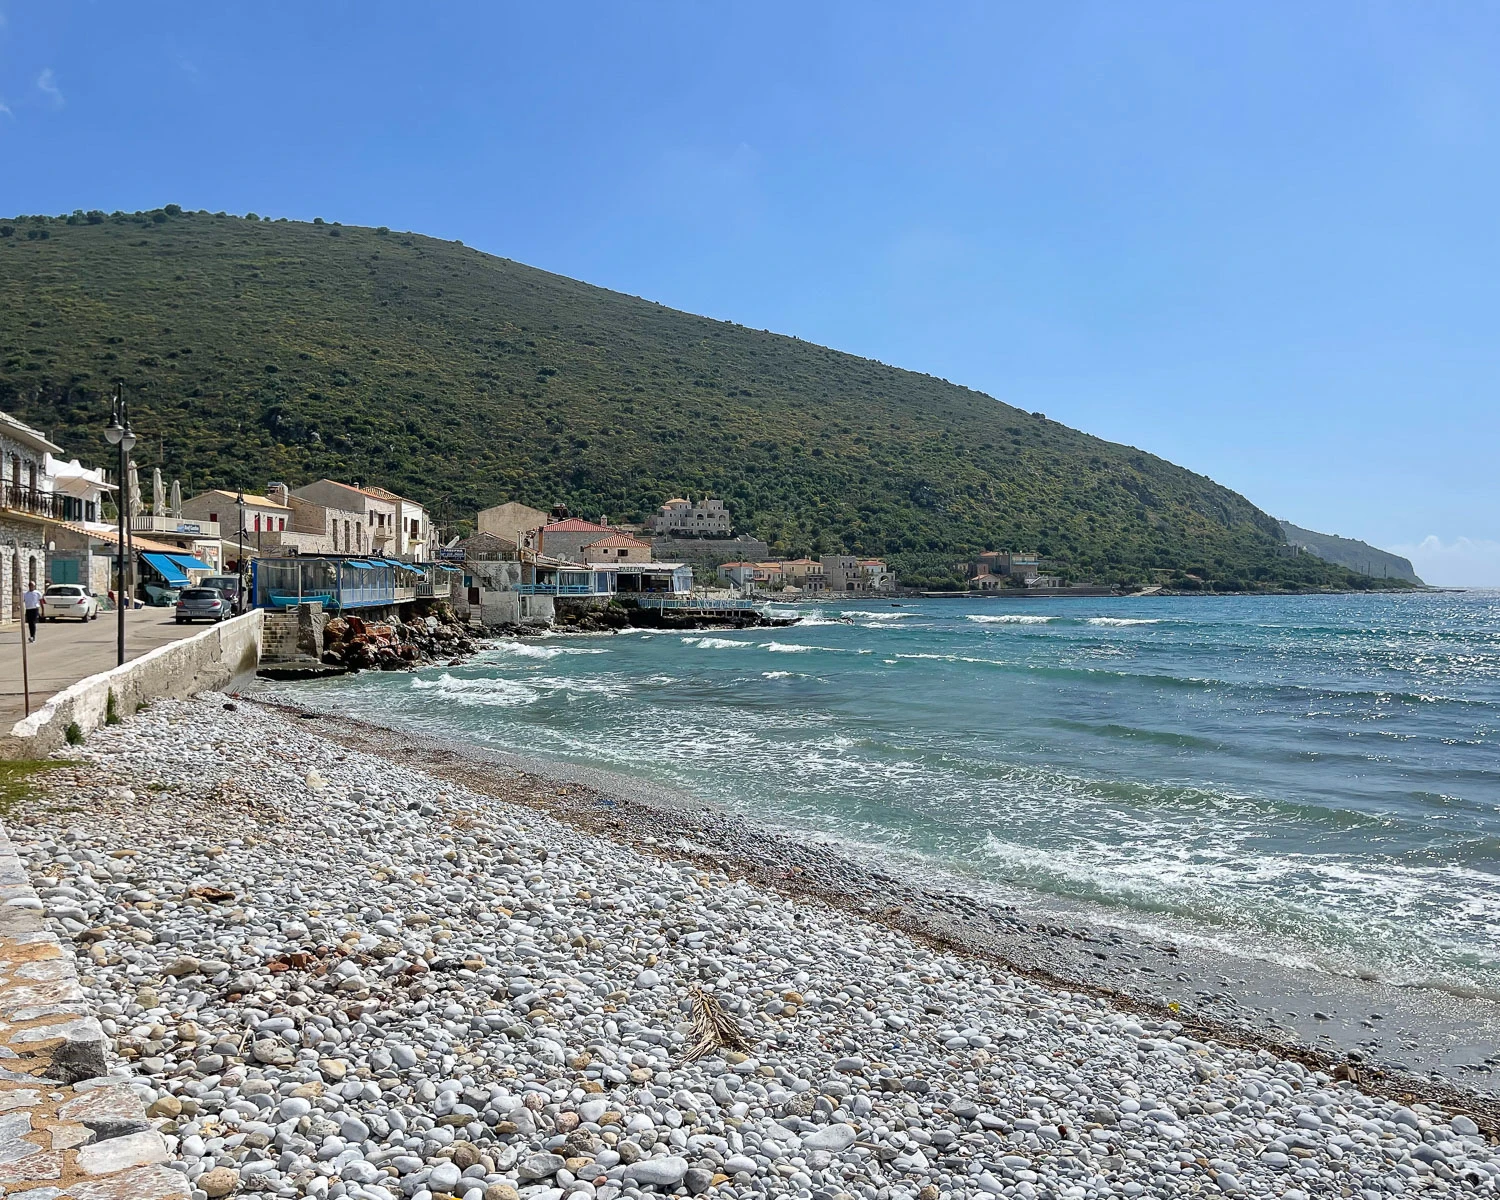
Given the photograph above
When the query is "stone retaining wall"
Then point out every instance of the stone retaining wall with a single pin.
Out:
(200, 663)
(68, 1131)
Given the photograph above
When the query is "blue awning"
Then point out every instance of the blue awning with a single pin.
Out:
(188, 563)
(360, 564)
(167, 569)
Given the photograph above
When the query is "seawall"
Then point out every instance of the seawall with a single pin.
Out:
(200, 663)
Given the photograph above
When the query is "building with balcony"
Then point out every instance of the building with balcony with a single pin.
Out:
(30, 511)
(1003, 568)
(265, 519)
(844, 574)
(705, 518)
(878, 576)
(416, 539)
(314, 528)
(374, 525)
(804, 573)
(77, 554)
(751, 574)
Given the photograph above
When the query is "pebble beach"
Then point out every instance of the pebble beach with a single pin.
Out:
(330, 975)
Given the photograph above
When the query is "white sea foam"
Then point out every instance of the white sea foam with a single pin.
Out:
(782, 675)
(713, 643)
(808, 617)
(483, 691)
(531, 650)
(876, 616)
(584, 685)
(1124, 620)
(1010, 618)
(787, 647)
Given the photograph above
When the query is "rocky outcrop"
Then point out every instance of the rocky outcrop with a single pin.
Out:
(356, 644)
(590, 617)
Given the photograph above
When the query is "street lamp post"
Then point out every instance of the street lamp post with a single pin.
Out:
(119, 434)
(240, 562)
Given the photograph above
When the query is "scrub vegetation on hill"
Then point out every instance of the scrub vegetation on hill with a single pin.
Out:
(259, 350)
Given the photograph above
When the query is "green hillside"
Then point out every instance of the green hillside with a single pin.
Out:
(258, 350)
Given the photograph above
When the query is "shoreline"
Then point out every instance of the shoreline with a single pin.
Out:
(1049, 944)
(341, 975)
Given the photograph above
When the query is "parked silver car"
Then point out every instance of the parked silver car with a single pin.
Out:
(68, 600)
(201, 604)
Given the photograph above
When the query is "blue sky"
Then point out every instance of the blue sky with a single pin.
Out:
(1260, 240)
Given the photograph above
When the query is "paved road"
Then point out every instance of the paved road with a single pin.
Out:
(67, 651)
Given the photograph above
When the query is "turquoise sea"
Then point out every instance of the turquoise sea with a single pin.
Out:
(1314, 780)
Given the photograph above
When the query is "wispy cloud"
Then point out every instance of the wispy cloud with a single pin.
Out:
(1463, 562)
(46, 83)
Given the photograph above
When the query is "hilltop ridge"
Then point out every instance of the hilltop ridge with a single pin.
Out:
(1352, 553)
(259, 350)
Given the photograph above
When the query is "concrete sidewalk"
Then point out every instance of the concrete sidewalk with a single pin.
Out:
(66, 651)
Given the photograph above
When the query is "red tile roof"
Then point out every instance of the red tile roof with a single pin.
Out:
(575, 525)
(618, 541)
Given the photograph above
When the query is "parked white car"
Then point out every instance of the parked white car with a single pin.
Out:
(68, 600)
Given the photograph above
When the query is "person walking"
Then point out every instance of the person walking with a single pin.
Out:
(32, 600)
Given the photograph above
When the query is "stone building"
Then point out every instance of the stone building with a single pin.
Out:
(706, 518)
(511, 521)
(29, 512)
(617, 548)
(416, 538)
(844, 573)
(1003, 568)
(373, 527)
(566, 538)
(266, 522)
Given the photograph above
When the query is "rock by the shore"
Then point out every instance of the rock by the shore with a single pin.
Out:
(354, 643)
(389, 986)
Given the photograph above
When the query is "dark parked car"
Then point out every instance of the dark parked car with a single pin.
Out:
(228, 584)
(202, 604)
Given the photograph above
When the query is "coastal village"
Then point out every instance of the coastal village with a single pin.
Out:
(319, 958)
(353, 544)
